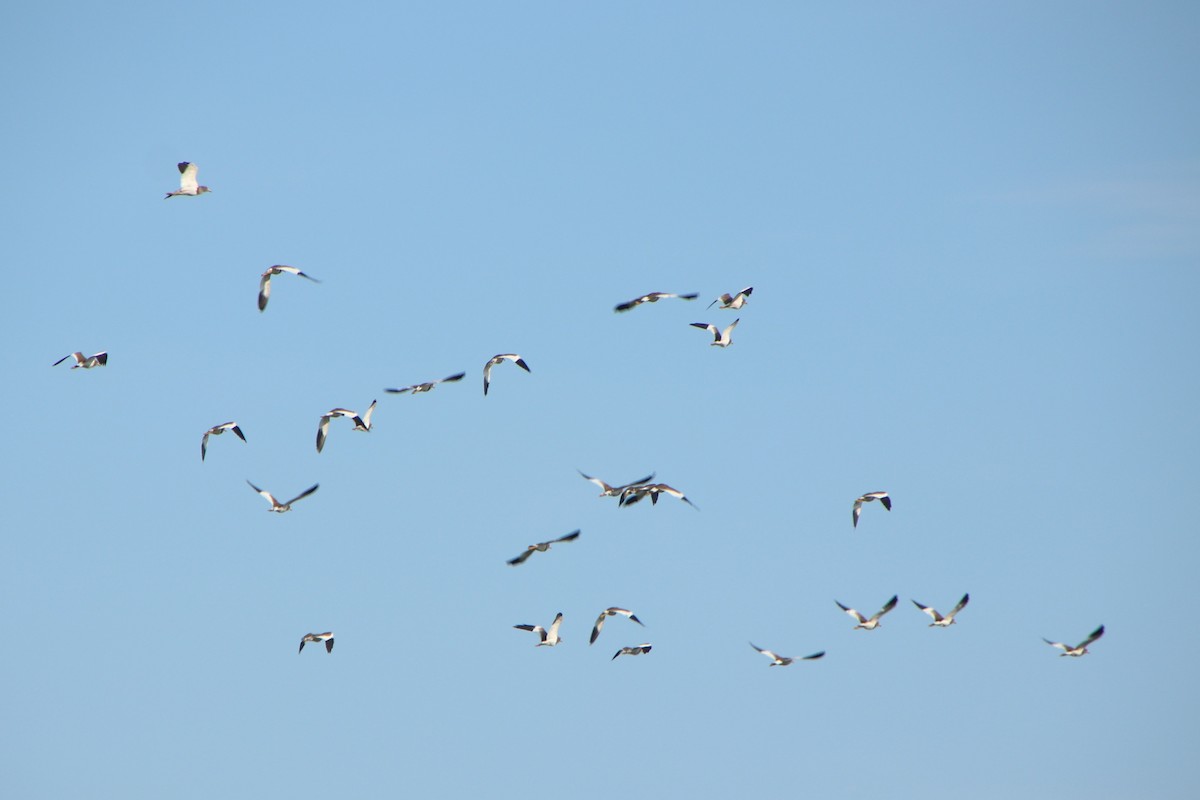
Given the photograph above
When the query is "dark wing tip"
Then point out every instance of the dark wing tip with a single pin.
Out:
(183, 165)
(887, 502)
(329, 645)
(238, 431)
(691, 296)
(815, 656)
(453, 378)
(521, 363)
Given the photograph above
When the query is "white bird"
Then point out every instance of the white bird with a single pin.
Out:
(541, 547)
(361, 423)
(98, 360)
(1079, 649)
(497, 359)
(872, 623)
(882, 497)
(782, 661)
(549, 638)
(733, 301)
(653, 297)
(720, 338)
(264, 282)
(636, 650)
(948, 620)
(425, 387)
(187, 181)
(614, 491)
(279, 507)
(217, 430)
(633, 494)
(326, 637)
(611, 612)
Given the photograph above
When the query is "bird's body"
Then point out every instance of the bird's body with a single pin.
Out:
(783, 661)
(611, 612)
(264, 282)
(84, 362)
(882, 497)
(549, 638)
(279, 507)
(418, 388)
(653, 297)
(1080, 649)
(187, 182)
(217, 430)
(872, 623)
(541, 547)
(938, 620)
(721, 338)
(361, 422)
(633, 494)
(499, 359)
(636, 650)
(734, 301)
(326, 637)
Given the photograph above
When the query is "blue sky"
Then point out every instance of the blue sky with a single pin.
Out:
(974, 238)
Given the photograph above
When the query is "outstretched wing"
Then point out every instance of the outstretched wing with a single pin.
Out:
(303, 494)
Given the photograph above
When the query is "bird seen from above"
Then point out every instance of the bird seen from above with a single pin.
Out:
(938, 620)
(217, 430)
(1080, 649)
(549, 638)
(611, 612)
(633, 494)
(782, 661)
(361, 423)
(636, 650)
(653, 297)
(279, 507)
(97, 360)
(882, 497)
(872, 623)
(541, 547)
(187, 182)
(614, 491)
(418, 388)
(734, 301)
(326, 637)
(720, 338)
(264, 282)
(498, 359)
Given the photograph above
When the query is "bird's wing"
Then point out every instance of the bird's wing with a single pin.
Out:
(851, 612)
(270, 497)
(635, 484)
(400, 391)
(487, 375)
(554, 625)
(236, 429)
(966, 598)
(1093, 636)
(890, 605)
(452, 378)
(568, 538)
(302, 641)
(604, 486)
(814, 656)
(631, 304)
(329, 645)
(64, 358)
(264, 290)
(691, 296)
(857, 510)
(930, 611)
(598, 626)
(204, 446)
(886, 500)
(729, 330)
(187, 177)
(767, 653)
(323, 431)
(708, 327)
(1059, 645)
(512, 562)
(303, 494)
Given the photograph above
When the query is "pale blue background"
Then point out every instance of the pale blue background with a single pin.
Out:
(974, 236)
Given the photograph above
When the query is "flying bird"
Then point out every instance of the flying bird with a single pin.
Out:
(720, 338)
(653, 297)
(549, 638)
(326, 637)
(614, 491)
(611, 612)
(872, 623)
(882, 497)
(782, 661)
(187, 181)
(279, 507)
(497, 359)
(361, 423)
(217, 430)
(948, 620)
(425, 387)
(636, 650)
(734, 301)
(1079, 649)
(98, 360)
(541, 547)
(264, 282)
(633, 494)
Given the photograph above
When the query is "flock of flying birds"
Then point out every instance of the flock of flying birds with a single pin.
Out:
(626, 494)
